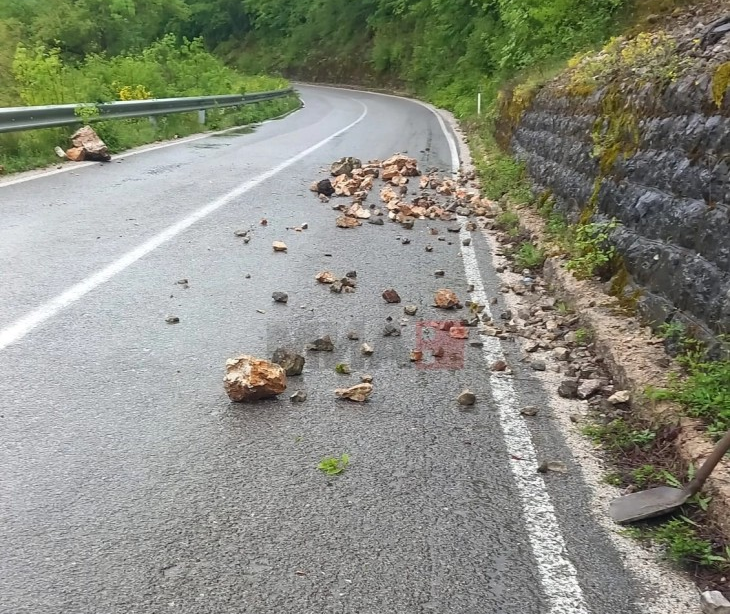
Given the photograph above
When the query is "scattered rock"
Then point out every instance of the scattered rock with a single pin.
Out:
(248, 378)
(530, 410)
(555, 466)
(358, 393)
(477, 343)
(499, 366)
(182, 282)
(446, 299)
(323, 187)
(172, 320)
(279, 246)
(325, 277)
(466, 398)
(93, 148)
(345, 166)
(377, 221)
(351, 274)
(343, 368)
(429, 248)
(459, 332)
(538, 365)
(466, 242)
(532, 346)
(366, 379)
(241, 233)
(289, 360)
(439, 273)
(405, 241)
(298, 397)
(280, 297)
(353, 335)
(323, 344)
(416, 355)
(622, 396)
(568, 388)
(366, 349)
(714, 602)
(347, 222)
(391, 296)
(391, 331)
(264, 222)
(588, 388)
(561, 354)
(410, 310)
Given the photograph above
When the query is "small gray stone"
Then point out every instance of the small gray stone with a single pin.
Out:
(429, 248)
(353, 335)
(476, 343)
(530, 410)
(466, 242)
(172, 320)
(568, 388)
(466, 398)
(588, 388)
(622, 396)
(713, 602)
(298, 397)
(391, 331)
(241, 233)
(323, 344)
(561, 354)
(280, 297)
(376, 221)
(366, 349)
(405, 241)
(289, 360)
(439, 273)
(410, 310)
(538, 365)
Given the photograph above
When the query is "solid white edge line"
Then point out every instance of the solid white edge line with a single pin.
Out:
(558, 576)
(18, 329)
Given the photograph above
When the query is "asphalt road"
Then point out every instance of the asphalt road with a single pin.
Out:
(130, 485)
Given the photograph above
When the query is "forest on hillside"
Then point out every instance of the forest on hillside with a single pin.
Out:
(443, 49)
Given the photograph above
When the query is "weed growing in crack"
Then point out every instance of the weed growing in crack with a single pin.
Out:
(333, 465)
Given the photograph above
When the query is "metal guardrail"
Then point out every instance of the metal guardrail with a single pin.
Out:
(15, 119)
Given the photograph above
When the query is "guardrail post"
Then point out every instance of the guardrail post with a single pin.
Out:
(201, 116)
(153, 120)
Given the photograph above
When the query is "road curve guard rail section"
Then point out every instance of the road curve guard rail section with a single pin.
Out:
(16, 119)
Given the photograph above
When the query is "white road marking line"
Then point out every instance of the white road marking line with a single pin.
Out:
(558, 575)
(18, 329)
(74, 166)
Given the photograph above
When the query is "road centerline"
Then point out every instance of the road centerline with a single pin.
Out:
(22, 326)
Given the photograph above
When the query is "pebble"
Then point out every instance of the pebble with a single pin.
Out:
(172, 320)
(466, 398)
(410, 310)
(280, 297)
(298, 397)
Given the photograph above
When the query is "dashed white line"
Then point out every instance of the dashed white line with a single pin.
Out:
(18, 329)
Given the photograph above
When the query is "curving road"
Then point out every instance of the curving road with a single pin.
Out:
(130, 485)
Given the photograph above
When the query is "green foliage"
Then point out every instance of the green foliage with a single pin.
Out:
(167, 68)
(528, 256)
(683, 545)
(645, 475)
(592, 251)
(705, 391)
(617, 435)
(507, 220)
(343, 368)
(649, 57)
(583, 336)
(333, 465)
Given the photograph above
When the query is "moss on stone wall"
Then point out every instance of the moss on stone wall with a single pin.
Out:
(720, 83)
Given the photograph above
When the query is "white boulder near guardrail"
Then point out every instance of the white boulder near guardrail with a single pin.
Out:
(16, 119)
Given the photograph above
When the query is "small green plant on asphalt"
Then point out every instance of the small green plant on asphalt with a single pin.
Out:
(618, 435)
(592, 251)
(528, 256)
(333, 465)
(343, 368)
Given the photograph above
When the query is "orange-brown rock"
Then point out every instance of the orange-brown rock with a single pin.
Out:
(75, 154)
(358, 393)
(445, 299)
(389, 172)
(94, 148)
(248, 378)
(325, 277)
(346, 222)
